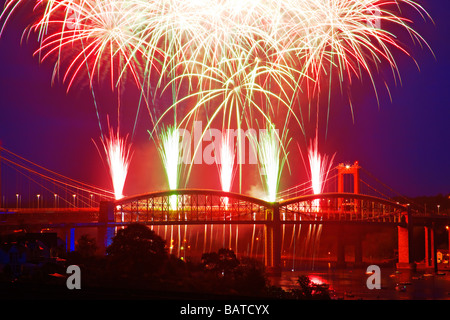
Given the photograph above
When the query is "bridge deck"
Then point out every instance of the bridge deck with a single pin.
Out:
(215, 207)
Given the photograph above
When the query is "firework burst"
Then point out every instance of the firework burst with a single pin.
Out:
(169, 147)
(320, 166)
(226, 163)
(272, 156)
(232, 57)
(118, 155)
(311, 37)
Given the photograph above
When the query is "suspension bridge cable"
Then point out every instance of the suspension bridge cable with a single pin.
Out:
(85, 185)
(33, 180)
(383, 184)
(409, 200)
(296, 191)
(378, 192)
(84, 199)
(53, 179)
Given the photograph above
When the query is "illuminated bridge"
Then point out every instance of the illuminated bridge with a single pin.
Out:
(84, 207)
(208, 207)
(217, 207)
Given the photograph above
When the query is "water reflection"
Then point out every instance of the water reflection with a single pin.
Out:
(350, 284)
(300, 246)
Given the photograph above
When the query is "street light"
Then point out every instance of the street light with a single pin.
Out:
(17, 200)
(74, 196)
(56, 197)
(438, 207)
(38, 196)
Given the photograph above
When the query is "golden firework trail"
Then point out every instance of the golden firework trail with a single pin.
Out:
(220, 58)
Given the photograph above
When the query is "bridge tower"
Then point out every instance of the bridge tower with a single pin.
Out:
(352, 170)
(348, 170)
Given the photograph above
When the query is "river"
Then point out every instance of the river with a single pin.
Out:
(350, 284)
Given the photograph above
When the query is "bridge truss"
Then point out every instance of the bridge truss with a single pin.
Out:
(192, 206)
(216, 207)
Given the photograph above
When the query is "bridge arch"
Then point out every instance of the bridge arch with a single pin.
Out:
(192, 206)
(214, 206)
(340, 207)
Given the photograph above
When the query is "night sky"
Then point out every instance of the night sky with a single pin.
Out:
(404, 143)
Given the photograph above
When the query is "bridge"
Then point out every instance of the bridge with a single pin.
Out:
(85, 206)
(216, 207)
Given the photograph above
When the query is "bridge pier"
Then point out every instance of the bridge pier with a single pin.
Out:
(405, 235)
(430, 248)
(104, 232)
(358, 251)
(69, 237)
(354, 239)
(340, 263)
(273, 241)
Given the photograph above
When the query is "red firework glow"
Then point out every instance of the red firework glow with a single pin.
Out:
(226, 166)
(118, 156)
(319, 166)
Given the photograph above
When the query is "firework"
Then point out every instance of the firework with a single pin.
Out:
(89, 36)
(320, 166)
(232, 57)
(118, 155)
(226, 165)
(170, 148)
(309, 36)
(272, 157)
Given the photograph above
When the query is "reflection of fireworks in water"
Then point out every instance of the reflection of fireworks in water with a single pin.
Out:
(320, 166)
(118, 156)
(191, 241)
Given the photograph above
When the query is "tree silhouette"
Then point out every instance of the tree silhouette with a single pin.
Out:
(137, 251)
(86, 246)
(223, 261)
(310, 290)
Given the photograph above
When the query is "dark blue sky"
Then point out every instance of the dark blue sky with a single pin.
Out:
(404, 143)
